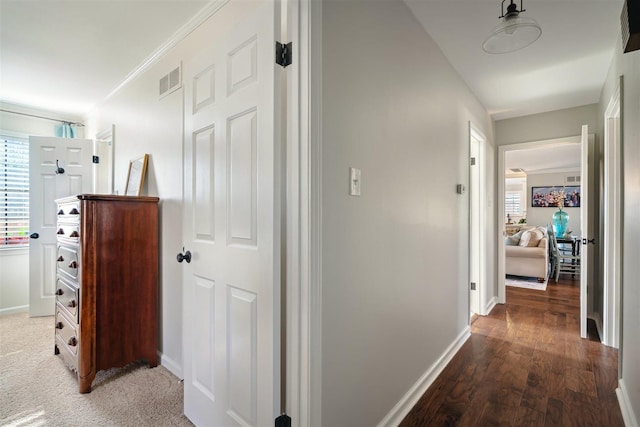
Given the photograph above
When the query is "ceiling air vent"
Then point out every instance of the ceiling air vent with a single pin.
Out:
(170, 82)
(517, 170)
(572, 179)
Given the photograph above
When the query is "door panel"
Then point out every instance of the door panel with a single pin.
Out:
(231, 223)
(45, 185)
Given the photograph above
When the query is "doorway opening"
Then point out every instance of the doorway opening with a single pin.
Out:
(553, 170)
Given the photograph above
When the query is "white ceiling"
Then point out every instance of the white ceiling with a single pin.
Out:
(565, 67)
(549, 159)
(68, 55)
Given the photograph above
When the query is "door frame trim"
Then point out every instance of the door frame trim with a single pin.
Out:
(478, 135)
(612, 201)
(304, 213)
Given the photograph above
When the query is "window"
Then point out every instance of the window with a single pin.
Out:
(513, 203)
(14, 192)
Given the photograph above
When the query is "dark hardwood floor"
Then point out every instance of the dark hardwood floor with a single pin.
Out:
(525, 364)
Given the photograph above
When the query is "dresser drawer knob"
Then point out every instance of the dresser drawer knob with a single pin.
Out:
(59, 325)
(73, 264)
(72, 341)
(59, 291)
(74, 211)
(74, 234)
(72, 304)
(60, 231)
(60, 212)
(60, 259)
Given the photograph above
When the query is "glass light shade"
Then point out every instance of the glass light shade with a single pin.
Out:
(512, 34)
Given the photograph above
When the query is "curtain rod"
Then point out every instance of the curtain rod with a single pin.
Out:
(44, 118)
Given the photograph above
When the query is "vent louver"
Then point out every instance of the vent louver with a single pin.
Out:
(171, 81)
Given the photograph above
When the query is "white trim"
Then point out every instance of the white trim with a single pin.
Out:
(12, 134)
(490, 305)
(106, 136)
(612, 242)
(197, 20)
(304, 214)
(630, 419)
(296, 380)
(409, 400)
(13, 310)
(500, 273)
(312, 194)
(554, 170)
(172, 366)
(478, 135)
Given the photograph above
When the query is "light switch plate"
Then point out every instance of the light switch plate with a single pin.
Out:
(354, 181)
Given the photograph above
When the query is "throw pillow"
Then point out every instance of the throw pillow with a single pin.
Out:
(536, 236)
(524, 240)
(512, 240)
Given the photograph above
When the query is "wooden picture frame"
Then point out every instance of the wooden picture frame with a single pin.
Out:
(135, 176)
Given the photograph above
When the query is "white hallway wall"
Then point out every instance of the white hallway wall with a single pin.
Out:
(14, 263)
(628, 65)
(395, 260)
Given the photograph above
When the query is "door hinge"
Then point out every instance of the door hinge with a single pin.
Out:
(473, 161)
(473, 286)
(283, 421)
(96, 159)
(283, 54)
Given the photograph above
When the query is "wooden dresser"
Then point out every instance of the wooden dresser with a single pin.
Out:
(107, 283)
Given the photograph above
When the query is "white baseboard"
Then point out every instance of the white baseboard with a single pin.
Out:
(12, 310)
(490, 305)
(628, 416)
(171, 365)
(408, 401)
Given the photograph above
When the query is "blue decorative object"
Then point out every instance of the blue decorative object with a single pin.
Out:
(560, 222)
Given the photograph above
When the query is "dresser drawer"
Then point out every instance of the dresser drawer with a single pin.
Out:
(66, 331)
(68, 297)
(70, 359)
(68, 232)
(68, 262)
(69, 210)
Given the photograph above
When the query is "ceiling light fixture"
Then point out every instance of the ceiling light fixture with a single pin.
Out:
(514, 31)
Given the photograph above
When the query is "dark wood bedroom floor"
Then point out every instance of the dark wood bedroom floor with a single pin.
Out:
(525, 364)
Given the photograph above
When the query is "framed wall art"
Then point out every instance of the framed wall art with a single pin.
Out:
(135, 178)
(555, 197)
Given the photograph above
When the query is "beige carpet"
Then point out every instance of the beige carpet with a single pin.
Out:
(36, 388)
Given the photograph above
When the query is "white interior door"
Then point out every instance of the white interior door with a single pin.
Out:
(584, 227)
(231, 223)
(45, 186)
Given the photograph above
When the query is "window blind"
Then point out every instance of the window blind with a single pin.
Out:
(14, 192)
(512, 203)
